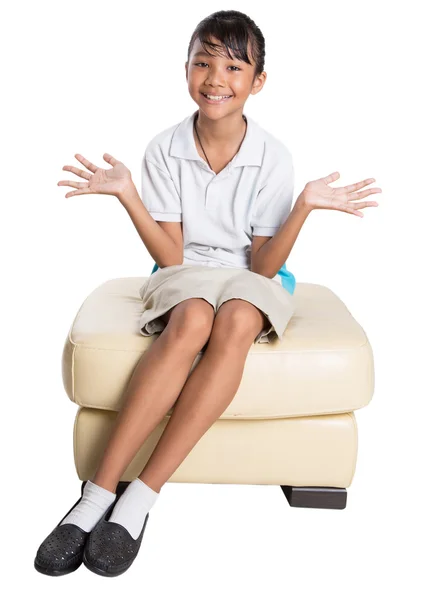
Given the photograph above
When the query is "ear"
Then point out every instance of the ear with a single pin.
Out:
(259, 82)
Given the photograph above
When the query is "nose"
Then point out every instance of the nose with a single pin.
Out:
(216, 78)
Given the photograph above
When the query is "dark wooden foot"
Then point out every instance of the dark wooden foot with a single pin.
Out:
(121, 487)
(315, 497)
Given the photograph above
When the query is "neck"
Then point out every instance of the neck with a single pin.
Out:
(220, 132)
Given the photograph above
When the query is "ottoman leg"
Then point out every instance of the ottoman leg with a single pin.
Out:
(121, 487)
(315, 497)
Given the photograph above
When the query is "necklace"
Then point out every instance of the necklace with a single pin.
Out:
(199, 139)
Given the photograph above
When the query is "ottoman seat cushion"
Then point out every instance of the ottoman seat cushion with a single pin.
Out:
(323, 365)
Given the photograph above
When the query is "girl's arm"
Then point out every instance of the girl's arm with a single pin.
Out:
(161, 246)
(316, 194)
(273, 254)
(165, 249)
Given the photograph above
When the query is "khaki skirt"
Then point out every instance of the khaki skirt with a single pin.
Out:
(169, 286)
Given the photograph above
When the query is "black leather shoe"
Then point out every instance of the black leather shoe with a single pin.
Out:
(110, 549)
(62, 550)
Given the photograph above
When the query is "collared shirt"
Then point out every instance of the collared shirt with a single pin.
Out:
(220, 213)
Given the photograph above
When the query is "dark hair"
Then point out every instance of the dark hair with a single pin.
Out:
(234, 30)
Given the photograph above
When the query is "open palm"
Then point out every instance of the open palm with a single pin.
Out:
(99, 181)
(318, 194)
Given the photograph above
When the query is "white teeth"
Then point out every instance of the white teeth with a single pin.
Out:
(216, 97)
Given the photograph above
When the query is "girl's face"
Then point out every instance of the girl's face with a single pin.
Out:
(220, 76)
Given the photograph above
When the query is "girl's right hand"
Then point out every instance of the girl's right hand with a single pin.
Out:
(100, 181)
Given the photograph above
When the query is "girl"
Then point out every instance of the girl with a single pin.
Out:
(219, 288)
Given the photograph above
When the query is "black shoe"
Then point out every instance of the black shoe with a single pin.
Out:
(110, 549)
(62, 550)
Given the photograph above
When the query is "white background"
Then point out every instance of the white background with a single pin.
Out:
(343, 93)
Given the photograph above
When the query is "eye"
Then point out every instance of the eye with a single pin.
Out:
(231, 66)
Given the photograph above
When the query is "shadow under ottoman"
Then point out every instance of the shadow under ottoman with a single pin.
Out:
(291, 422)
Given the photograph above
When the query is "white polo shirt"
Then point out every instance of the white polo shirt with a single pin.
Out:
(220, 212)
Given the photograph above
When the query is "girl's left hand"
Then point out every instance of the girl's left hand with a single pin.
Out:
(318, 194)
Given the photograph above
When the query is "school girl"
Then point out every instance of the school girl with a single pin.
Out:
(215, 215)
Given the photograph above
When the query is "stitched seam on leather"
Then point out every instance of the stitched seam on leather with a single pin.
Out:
(355, 453)
(341, 411)
(51, 563)
(74, 347)
(77, 416)
(82, 347)
(122, 565)
(75, 355)
(238, 417)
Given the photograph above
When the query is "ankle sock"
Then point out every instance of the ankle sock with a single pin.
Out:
(132, 507)
(94, 503)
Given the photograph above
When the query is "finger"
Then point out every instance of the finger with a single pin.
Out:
(332, 177)
(358, 185)
(85, 190)
(90, 166)
(76, 184)
(352, 211)
(365, 204)
(350, 208)
(77, 171)
(110, 159)
(363, 194)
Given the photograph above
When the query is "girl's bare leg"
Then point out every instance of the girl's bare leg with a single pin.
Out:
(155, 386)
(209, 389)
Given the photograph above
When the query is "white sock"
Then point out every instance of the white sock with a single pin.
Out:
(94, 503)
(132, 507)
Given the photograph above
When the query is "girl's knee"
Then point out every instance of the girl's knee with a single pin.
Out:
(238, 318)
(192, 320)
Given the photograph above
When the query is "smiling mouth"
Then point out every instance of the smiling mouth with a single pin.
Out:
(224, 99)
(229, 95)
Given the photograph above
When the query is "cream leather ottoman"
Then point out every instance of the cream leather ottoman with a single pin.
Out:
(291, 422)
